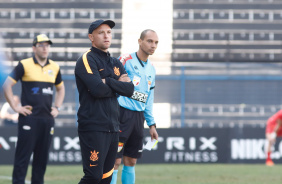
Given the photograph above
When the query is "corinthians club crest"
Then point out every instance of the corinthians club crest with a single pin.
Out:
(116, 71)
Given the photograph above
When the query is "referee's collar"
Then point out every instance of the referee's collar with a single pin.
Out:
(36, 62)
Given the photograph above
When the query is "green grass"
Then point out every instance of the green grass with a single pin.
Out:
(171, 173)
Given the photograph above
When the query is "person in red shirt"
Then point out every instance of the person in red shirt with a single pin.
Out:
(273, 129)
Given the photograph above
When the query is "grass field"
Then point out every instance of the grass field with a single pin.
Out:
(170, 173)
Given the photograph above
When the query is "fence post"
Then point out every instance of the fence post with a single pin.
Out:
(182, 95)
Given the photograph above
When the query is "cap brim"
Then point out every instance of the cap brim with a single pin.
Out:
(96, 24)
(110, 23)
(49, 41)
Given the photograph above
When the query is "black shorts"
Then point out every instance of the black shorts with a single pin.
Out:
(98, 155)
(131, 133)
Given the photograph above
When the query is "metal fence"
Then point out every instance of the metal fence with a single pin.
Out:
(207, 98)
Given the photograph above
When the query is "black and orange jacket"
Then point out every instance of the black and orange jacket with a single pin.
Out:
(37, 84)
(99, 108)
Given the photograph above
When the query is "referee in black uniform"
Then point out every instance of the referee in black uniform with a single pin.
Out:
(38, 75)
(100, 78)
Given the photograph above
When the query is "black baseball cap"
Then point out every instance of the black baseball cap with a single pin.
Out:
(41, 38)
(97, 23)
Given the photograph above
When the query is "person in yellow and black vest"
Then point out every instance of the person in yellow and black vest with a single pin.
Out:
(38, 76)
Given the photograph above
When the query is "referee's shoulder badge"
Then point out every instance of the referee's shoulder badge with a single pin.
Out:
(123, 58)
(120, 146)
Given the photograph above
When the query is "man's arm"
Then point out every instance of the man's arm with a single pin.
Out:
(148, 113)
(123, 86)
(9, 95)
(278, 125)
(59, 98)
(87, 74)
(273, 135)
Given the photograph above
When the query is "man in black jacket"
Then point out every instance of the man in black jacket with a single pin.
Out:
(100, 78)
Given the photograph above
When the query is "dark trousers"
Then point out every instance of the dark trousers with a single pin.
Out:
(34, 136)
(98, 151)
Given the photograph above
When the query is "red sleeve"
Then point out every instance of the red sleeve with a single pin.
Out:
(279, 115)
(125, 57)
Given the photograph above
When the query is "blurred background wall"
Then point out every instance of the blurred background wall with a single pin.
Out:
(218, 62)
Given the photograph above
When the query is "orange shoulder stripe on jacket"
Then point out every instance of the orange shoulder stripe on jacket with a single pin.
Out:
(85, 61)
(108, 174)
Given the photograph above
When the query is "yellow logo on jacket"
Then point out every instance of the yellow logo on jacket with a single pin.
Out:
(116, 71)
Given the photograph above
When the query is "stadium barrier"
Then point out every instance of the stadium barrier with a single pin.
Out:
(185, 145)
